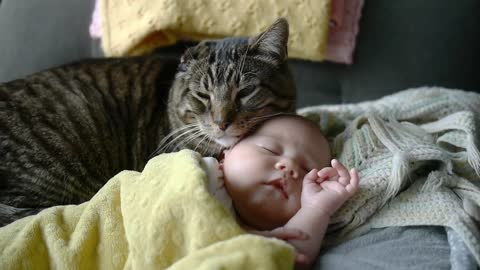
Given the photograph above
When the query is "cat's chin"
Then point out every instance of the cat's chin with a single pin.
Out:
(227, 141)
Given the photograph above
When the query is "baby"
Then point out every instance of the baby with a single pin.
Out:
(282, 183)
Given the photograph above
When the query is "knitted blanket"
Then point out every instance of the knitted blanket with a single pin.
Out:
(162, 217)
(418, 159)
(135, 27)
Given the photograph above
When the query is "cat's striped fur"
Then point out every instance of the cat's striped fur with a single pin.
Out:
(64, 132)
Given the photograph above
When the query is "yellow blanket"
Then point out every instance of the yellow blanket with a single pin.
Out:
(135, 27)
(163, 217)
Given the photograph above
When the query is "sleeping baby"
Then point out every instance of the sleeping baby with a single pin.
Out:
(280, 182)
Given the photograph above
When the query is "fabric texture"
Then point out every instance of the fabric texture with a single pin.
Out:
(95, 28)
(392, 248)
(37, 35)
(162, 217)
(136, 27)
(344, 27)
(417, 157)
(460, 256)
(216, 183)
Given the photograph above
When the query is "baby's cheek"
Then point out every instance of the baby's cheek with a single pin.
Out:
(230, 168)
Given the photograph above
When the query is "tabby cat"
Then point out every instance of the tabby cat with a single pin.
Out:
(64, 132)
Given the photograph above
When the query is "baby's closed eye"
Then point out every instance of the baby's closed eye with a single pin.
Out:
(268, 150)
(270, 147)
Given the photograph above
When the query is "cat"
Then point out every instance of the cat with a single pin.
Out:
(65, 131)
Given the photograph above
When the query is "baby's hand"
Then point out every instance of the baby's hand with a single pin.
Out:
(286, 234)
(326, 190)
(282, 233)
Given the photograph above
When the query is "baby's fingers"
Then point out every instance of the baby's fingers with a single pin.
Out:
(335, 186)
(354, 181)
(327, 173)
(342, 171)
(311, 177)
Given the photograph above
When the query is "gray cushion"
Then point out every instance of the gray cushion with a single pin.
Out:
(36, 35)
(395, 248)
(401, 44)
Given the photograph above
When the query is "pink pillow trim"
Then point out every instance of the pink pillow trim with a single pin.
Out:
(96, 23)
(345, 18)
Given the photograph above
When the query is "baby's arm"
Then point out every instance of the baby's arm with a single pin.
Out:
(320, 199)
(313, 224)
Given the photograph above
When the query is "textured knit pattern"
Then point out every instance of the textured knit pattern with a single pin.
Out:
(162, 217)
(418, 160)
(135, 27)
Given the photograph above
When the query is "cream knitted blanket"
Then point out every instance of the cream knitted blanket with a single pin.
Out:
(135, 27)
(418, 160)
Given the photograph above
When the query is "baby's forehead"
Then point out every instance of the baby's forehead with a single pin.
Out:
(291, 129)
(297, 130)
(289, 124)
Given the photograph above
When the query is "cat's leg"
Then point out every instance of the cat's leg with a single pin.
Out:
(9, 214)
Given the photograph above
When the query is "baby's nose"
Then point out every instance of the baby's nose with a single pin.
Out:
(289, 167)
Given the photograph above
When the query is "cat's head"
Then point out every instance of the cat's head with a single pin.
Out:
(225, 87)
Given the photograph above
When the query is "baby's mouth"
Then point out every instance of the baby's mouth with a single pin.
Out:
(281, 185)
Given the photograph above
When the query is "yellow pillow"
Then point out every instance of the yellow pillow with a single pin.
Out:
(136, 27)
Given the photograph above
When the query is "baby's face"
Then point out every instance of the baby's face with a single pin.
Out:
(264, 172)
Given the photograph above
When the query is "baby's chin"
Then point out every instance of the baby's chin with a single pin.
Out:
(261, 221)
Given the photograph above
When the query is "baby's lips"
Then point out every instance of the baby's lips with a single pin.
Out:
(281, 185)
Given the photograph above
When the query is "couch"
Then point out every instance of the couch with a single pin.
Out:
(401, 44)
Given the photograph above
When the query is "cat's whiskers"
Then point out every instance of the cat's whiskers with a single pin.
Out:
(254, 121)
(166, 138)
(182, 137)
(209, 141)
(205, 136)
(161, 147)
(186, 141)
(259, 118)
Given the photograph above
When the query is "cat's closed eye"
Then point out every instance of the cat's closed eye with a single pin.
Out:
(246, 91)
(203, 95)
(198, 104)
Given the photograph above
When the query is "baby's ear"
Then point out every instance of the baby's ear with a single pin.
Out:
(224, 153)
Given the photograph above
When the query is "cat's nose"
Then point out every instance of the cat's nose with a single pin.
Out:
(223, 125)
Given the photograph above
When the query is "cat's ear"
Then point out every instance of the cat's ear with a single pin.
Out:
(199, 51)
(273, 42)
